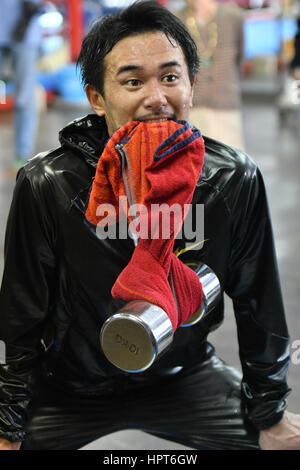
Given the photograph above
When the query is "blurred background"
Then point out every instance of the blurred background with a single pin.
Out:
(267, 86)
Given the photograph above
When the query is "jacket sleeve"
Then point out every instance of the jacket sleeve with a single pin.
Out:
(254, 286)
(24, 305)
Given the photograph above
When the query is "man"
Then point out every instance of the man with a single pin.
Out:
(56, 291)
(20, 36)
(295, 62)
(295, 66)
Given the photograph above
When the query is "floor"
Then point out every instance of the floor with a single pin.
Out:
(274, 145)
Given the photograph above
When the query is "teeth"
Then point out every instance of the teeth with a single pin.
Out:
(155, 120)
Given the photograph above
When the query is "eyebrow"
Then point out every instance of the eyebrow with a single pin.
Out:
(130, 68)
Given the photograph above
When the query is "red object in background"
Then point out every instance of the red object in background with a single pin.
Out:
(8, 105)
(164, 2)
(76, 25)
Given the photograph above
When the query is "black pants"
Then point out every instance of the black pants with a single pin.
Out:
(200, 408)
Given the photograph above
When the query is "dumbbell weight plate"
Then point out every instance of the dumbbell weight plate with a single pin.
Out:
(133, 337)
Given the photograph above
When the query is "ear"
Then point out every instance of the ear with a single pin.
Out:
(95, 99)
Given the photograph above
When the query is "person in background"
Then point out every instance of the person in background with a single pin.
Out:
(295, 62)
(20, 37)
(295, 69)
(218, 30)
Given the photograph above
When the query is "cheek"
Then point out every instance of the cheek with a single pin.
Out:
(185, 102)
(185, 97)
(118, 114)
(119, 107)
(113, 108)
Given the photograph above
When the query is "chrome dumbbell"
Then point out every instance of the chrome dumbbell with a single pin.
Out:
(139, 332)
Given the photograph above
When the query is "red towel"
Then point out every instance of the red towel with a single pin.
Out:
(165, 160)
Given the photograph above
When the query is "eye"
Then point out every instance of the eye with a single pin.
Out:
(170, 78)
(133, 82)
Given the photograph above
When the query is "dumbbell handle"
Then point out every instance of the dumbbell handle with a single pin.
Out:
(211, 292)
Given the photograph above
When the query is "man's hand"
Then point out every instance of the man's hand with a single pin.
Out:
(7, 445)
(284, 435)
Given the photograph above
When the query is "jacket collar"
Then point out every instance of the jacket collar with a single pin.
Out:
(87, 135)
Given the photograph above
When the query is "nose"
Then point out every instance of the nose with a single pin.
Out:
(154, 99)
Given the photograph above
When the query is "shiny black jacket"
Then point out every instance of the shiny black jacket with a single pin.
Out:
(58, 276)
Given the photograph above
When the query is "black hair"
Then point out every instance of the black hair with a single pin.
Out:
(140, 17)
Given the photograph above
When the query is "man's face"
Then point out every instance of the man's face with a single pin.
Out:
(146, 78)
